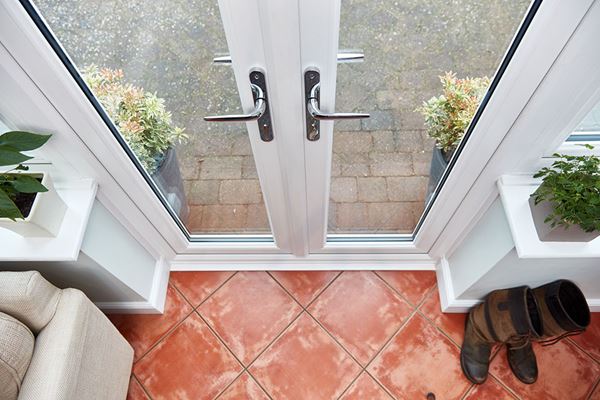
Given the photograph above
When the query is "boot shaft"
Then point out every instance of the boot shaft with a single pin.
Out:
(563, 308)
(508, 315)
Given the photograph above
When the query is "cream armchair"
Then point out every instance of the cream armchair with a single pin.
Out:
(77, 354)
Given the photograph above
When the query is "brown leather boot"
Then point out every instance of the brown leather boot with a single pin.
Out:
(504, 317)
(563, 311)
(563, 308)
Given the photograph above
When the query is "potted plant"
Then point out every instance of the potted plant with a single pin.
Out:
(566, 206)
(29, 205)
(447, 117)
(146, 126)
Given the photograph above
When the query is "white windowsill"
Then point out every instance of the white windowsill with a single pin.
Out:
(514, 192)
(79, 196)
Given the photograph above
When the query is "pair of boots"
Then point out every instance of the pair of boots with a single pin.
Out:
(516, 317)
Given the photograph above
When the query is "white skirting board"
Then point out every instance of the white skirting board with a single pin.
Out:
(449, 302)
(283, 262)
(155, 303)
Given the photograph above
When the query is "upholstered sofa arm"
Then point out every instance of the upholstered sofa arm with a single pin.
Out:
(30, 298)
(78, 355)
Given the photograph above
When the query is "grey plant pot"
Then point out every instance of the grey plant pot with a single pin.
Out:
(439, 163)
(168, 178)
(547, 233)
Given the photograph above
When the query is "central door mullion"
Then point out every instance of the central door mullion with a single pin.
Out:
(319, 27)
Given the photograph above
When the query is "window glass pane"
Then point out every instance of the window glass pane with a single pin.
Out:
(385, 168)
(149, 63)
(588, 129)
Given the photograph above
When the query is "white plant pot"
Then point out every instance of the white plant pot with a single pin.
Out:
(547, 233)
(46, 215)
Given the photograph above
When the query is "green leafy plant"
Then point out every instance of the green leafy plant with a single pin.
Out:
(141, 117)
(12, 183)
(572, 185)
(447, 116)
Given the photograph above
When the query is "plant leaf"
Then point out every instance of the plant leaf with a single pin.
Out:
(10, 156)
(27, 184)
(23, 141)
(8, 209)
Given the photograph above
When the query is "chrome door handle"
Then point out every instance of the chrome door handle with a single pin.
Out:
(260, 106)
(260, 112)
(312, 88)
(313, 108)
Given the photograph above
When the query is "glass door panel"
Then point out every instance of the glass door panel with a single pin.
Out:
(386, 168)
(150, 65)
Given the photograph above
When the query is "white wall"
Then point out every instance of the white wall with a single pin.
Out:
(112, 266)
(487, 260)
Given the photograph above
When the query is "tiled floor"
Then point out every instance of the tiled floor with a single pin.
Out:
(328, 335)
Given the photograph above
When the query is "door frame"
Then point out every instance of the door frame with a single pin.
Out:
(63, 109)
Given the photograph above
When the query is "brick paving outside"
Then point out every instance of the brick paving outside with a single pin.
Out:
(380, 165)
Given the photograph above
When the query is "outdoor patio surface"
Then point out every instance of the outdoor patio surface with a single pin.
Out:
(328, 335)
(380, 165)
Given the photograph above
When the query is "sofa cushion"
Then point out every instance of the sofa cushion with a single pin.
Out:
(30, 298)
(16, 350)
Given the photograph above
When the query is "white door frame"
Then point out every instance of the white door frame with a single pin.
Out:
(125, 192)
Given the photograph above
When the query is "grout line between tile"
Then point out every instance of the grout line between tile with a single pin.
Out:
(587, 353)
(259, 385)
(163, 337)
(229, 384)
(350, 384)
(596, 386)
(381, 386)
(142, 386)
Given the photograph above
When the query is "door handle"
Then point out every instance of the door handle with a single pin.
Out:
(312, 89)
(260, 112)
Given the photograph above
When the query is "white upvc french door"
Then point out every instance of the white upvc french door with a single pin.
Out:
(285, 40)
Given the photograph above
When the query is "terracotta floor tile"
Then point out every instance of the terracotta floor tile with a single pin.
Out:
(244, 388)
(135, 391)
(360, 311)
(304, 285)
(596, 394)
(196, 286)
(305, 364)
(191, 363)
(451, 324)
(565, 372)
(413, 285)
(418, 360)
(491, 389)
(365, 388)
(142, 331)
(248, 312)
(590, 339)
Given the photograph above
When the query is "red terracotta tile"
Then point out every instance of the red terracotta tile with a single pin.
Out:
(596, 394)
(135, 391)
(196, 286)
(360, 311)
(419, 360)
(191, 363)
(305, 364)
(304, 285)
(142, 331)
(565, 372)
(365, 388)
(248, 312)
(413, 285)
(490, 389)
(452, 324)
(244, 388)
(590, 339)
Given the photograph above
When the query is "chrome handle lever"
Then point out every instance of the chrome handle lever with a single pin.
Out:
(313, 108)
(260, 112)
(312, 88)
(260, 105)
